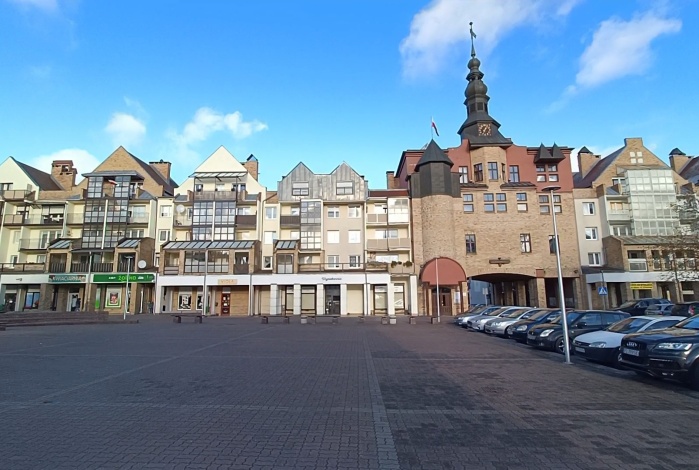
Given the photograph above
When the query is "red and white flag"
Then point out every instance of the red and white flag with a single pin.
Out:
(434, 126)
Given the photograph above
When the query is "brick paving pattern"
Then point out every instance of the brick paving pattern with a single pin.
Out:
(232, 393)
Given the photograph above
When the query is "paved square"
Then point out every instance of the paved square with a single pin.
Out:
(233, 393)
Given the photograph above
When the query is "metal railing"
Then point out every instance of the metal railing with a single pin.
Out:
(289, 220)
(96, 267)
(182, 220)
(17, 194)
(34, 243)
(140, 218)
(388, 243)
(22, 267)
(246, 220)
(57, 267)
(75, 218)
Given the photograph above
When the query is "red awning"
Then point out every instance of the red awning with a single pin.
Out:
(450, 272)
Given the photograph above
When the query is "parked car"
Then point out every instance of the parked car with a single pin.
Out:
(660, 309)
(501, 326)
(604, 345)
(550, 335)
(461, 319)
(669, 353)
(685, 309)
(519, 329)
(638, 307)
(477, 323)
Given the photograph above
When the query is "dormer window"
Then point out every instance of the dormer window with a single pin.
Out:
(300, 188)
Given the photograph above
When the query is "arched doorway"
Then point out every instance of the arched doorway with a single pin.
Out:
(443, 281)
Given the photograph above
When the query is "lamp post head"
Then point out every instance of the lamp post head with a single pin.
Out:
(551, 188)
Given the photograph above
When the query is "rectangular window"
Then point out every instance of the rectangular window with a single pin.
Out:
(540, 178)
(504, 172)
(463, 174)
(514, 173)
(545, 209)
(270, 237)
(386, 233)
(468, 202)
(334, 261)
(501, 197)
(308, 299)
(590, 233)
(333, 236)
(525, 242)
(381, 298)
(300, 188)
(294, 235)
(165, 211)
(266, 262)
(470, 243)
(468, 208)
(333, 212)
(355, 261)
(543, 199)
(553, 177)
(552, 244)
(521, 196)
(522, 207)
(489, 207)
(354, 236)
(492, 171)
(344, 188)
(478, 172)
(594, 259)
(488, 197)
(540, 169)
(552, 167)
(295, 210)
(271, 213)
(285, 265)
(14, 259)
(163, 235)
(354, 212)
(502, 207)
(589, 208)
(467, 197)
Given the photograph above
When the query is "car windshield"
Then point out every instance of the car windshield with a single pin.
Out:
(690, 323)
(514, 313)
(630, 303)
(530, 314)
(539, 315)
(628, 325)
(571, 317)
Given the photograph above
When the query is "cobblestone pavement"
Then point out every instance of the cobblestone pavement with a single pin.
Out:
(233, 393)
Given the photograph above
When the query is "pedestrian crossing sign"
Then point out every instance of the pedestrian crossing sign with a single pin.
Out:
(602, 290)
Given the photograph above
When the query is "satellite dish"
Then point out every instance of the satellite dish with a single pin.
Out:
(141, 264)
(179, 208)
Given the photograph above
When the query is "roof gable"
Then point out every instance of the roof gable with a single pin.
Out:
(433, 154)
(219, 160)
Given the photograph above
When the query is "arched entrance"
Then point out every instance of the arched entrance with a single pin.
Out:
(443, 281)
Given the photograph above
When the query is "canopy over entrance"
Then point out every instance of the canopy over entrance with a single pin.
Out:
(450, 272)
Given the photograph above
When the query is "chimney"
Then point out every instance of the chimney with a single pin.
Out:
(64, 173)
(162, 167)
(390, 180)
(678, 160)
(586, 160)
(252, 165)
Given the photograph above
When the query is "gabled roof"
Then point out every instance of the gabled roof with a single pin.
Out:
(43, 180)
(168, 184)
(433, 154)
(586, 182)
(690, 171)
(544, 155)
(584, 149)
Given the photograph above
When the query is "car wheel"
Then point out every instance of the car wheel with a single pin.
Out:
(508, 332)
(560, 345)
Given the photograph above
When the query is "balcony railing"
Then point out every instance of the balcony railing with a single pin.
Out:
(140, 218)
(376, 219)
(21, 219)
(34, 243)
(14, 219)
(18, 195)
(171, 270)
(242, 268)
(289, 220)
(619, 215)
(329, 267)
(638, 265)
(57, 267)
(96, 267)
(21, 267)
(75, 218)
(182, 220)
(239, 196)
(246, 220)
(388, 244)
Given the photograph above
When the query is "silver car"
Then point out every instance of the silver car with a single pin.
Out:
(498, 326)
(477, 323)
(464, 317)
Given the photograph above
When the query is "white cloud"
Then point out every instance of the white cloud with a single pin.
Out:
(620, 48)
(444, 24)
(83, 160)
(45, 5)
(125, 129)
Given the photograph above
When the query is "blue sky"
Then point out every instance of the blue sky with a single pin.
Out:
(329, 81)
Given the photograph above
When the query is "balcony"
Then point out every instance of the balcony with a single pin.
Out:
(373, 219)
(238, 196)
(388, 244)
(18, 195)
(21, 267)
(246, 220)
(182, 220)
(638, 265)
(21, 219)
(57, 267)
(289, 220)
(75, 218)
(242, 268)
(140, 218)
(34, 243)
(96, 267)
(329, 267)
(619, 215)
(14, 219)
(171, 270)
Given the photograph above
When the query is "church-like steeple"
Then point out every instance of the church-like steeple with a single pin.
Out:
(479, 128)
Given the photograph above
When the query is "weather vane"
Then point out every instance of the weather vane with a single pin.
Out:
(473, 36)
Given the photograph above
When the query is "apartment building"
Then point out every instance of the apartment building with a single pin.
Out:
(481, 211)
(627, 214)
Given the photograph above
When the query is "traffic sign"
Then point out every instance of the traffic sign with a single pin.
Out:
(602, 290)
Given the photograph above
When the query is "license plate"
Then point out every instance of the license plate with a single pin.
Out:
(631, 352)
(579, 349)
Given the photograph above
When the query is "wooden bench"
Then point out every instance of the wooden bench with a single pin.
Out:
(267, 318)
(177, 317)
(335, 319)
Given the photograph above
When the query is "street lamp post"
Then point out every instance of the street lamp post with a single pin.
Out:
(128, 274)
(561, 293)
(439, 296)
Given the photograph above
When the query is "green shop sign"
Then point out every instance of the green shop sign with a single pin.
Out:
(117, 278)
(67, 278)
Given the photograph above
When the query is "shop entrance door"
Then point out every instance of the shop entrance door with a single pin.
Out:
(444, 299)
(226, 304)
(10, 302)
(332, 300)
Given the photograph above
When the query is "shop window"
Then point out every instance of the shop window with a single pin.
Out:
(381, 298)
